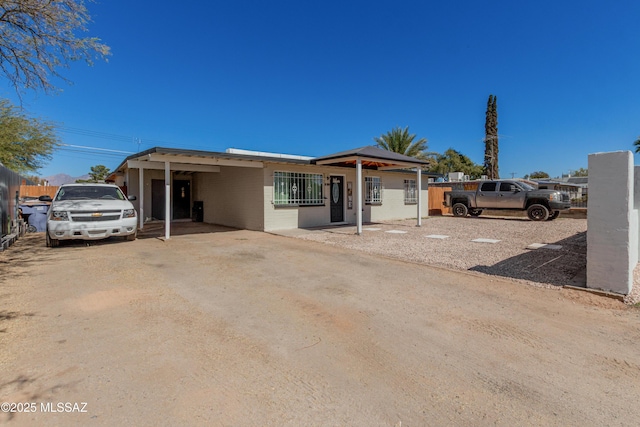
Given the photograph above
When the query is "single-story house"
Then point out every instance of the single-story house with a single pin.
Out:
(268, 191)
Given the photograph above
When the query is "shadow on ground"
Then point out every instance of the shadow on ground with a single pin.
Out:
(155, 230)
(547, 266)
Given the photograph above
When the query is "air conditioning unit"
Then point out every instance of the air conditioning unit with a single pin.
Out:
(456, 176)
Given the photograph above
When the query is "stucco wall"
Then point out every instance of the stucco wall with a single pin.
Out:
(612, 222)
(231, 197)
(133, 188)
(392, 207)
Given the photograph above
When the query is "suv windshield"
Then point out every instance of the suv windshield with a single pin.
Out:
(89, 192)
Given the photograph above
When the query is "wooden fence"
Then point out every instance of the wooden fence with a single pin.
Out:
(436, 198)
(49, 190)
(38, 190)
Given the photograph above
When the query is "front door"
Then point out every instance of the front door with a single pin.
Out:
(157, 198)
(337, 198)
(181, 199)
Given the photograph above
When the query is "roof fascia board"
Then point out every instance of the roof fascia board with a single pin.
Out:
(338, 160)
(186, 167)
(393, 164)
(400, 165)
(215, 161)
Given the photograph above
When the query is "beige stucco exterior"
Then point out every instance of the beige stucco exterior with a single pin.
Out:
(392, 206)
(241, 195)
(231, 197)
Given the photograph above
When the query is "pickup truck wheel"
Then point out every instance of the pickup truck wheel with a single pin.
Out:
(538, 212)
(553, 215)
(475, 212)
(131, 237)
(52, 243)
(460, 209)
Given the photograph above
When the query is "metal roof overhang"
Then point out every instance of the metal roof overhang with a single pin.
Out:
(368, 163)
(186, 163)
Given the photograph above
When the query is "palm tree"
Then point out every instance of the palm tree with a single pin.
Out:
(637, 145)
(401, 141)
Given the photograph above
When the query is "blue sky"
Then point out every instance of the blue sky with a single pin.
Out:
(313, 78)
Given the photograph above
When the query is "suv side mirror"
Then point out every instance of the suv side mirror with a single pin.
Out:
(131, 198)
(45, 198)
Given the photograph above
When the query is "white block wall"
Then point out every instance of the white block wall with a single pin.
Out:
(612, 222)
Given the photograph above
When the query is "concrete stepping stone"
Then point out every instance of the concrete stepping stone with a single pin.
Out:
(437, 236)
(544, 246)
(396, 231)
(372, 229)
(485, 241)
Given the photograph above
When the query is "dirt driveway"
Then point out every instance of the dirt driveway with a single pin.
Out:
(244, 328)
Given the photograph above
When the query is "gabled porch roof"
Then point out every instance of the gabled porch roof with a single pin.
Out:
(370, 157)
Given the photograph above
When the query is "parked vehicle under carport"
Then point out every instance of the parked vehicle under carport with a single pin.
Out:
(90, 212)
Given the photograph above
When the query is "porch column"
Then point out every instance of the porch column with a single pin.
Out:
(141, 191)
(167, 200)
(419, 189)
(358, 196)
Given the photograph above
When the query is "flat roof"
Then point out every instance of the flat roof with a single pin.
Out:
(371, 156)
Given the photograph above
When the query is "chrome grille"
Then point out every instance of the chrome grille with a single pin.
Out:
(105, 211)
(91, 218)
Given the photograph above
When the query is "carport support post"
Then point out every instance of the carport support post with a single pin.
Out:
(358, 196)
(141, 191)
(419, 190)
(167, 200)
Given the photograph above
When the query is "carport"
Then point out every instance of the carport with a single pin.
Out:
(178, 161)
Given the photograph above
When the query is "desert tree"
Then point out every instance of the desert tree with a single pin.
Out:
(637, 145)
(25, 142)
(97, 173)
(491, 139)
(538, 175)
(580, 172)
(39, 37)
(455, 161)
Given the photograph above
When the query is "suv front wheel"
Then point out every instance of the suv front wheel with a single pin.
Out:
(51, 243)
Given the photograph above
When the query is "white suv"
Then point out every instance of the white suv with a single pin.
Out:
(90, 212)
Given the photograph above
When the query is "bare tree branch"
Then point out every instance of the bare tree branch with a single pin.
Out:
(37, 37)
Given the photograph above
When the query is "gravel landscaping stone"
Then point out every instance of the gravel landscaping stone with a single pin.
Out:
(509, 257)
(548, 254)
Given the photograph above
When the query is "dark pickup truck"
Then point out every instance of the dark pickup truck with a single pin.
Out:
(541, 205)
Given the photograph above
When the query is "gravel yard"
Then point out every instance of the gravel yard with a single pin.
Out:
(506, 249)
(447, 241)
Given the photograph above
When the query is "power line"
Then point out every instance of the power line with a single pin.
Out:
(95, 134)
(98, 149)
(123, 138)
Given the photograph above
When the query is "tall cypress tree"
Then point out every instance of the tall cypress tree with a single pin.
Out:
(491, 139)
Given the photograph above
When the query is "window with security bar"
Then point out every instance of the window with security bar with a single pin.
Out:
(372, 190)
(298, 189)
(410, 191)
